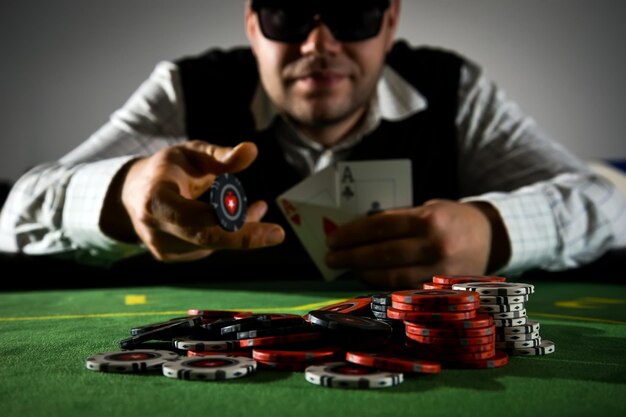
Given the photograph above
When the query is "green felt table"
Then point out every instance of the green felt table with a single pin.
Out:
(46, 336)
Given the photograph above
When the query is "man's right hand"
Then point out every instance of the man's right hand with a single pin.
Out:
(155, 199)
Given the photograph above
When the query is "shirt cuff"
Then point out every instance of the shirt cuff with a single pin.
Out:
(85, 197)
(530, 225)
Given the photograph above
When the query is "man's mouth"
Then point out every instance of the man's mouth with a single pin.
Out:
(321, 79)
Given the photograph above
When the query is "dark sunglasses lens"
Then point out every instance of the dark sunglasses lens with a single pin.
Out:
(285, 23)
(355, 21)
(349, 20)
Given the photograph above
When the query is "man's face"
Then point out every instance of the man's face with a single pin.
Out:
(321, 81)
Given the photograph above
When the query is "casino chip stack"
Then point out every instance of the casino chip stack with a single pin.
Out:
(444, 326)
(506, 303)
(379, 305)
(365, 342)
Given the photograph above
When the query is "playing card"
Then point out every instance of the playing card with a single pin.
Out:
(340, 193)
(317, 223)
(319, 189)
(370, 186)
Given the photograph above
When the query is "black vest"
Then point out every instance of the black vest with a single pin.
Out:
(218, 87)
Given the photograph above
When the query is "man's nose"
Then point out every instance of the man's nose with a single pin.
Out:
(321, 41)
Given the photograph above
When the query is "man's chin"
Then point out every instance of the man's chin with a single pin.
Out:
(320, 115)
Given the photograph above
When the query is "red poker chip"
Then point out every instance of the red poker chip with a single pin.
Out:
(393, 363)
(449, 332)
(354, 306)
(481, 320)
(454, 356)
(284, 366)
(435, 296)
(239, 353)
(462, 279)
(278, 340)
(414, 316)
(435, 286)
(445, 341)
(448, 349)
(435, 307)
(214, 314)
(305, 356)
(243, 315)
(498, 360)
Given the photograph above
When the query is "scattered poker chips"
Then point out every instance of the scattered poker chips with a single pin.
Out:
(229, 201)
(468, 322)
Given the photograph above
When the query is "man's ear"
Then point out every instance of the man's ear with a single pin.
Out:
(252, 26)
(392, 18)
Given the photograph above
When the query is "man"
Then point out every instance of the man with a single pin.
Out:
(324, 82)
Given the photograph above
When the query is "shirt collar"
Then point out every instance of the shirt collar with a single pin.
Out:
(396, 99)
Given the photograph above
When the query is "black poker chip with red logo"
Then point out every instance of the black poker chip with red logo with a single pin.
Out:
(229, 200)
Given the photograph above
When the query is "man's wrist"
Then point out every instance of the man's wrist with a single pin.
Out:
(114, 219)
(500, 248)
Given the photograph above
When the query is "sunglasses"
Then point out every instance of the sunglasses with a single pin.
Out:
(291, 21)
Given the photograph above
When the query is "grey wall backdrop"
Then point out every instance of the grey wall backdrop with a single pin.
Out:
(67, 64)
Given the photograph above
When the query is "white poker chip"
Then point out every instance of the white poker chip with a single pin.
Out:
(509, 315)
(189, 343)
(545, 348)
(531, 326)
(496, 288)
(140, 360)
(347, 375)
(520, 344)
(516, 337)
(510, 322)
(210, 368)
(486, 300)
(501, 308)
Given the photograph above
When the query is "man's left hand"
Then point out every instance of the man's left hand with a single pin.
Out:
(403, 248)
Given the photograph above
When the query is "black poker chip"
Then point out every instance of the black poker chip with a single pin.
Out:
(348, 323)
(169, 330)
(229, 200)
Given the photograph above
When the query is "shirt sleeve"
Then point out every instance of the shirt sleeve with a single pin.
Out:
(558, 213)
(55, 208)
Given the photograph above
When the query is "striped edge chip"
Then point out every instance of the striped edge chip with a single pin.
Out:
(188, 343)
(531, 326)
(209, 368)
(496, 288)
(545, 348)
(347, 375)
(140, 360)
